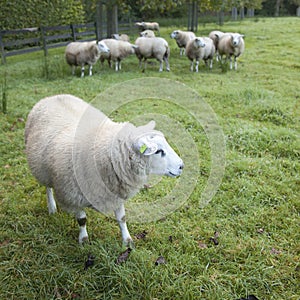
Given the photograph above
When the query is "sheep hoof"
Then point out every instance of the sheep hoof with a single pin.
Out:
(83, 240)
(129, 243)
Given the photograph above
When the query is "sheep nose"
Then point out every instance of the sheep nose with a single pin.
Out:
(181, 166)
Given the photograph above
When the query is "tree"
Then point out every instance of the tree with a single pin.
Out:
(33, 13)
(297, 3)
(277, 7)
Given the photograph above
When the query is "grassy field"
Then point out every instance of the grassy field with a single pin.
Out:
(245, 241)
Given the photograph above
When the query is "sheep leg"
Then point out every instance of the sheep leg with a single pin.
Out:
(192, 66)
(235, 63)
(230, 60)
(81, 219)
(211, 63)
(82, 71)
(73, 70)
(167, 64)
(160, 65)
(90, 70)
(51, 201)
(120, 216)
(197, 65)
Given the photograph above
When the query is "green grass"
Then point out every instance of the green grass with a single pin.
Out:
(255, 211)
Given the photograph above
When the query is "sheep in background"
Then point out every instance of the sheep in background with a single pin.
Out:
(122, 37)
(147, 25)
(182, 38)
(156, 47)
(91, 161)
(215, 35)
(147, 33)
(200, 48)
(231, 44)
(118, 51)
(84, 53)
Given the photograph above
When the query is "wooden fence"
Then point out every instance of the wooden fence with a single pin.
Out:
(27, 40)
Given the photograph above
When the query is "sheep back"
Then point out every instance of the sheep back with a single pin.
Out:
(82, 53)
(226, 46)
(147, 33)
(215, 35)
(194, 51)
(70, 147)
(156, 47)
(118, 49)
(183, 37)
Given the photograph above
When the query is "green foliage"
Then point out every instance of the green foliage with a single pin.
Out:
(33, 13)
(255, 213)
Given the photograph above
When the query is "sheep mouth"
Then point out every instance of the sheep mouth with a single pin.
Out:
(170, 174)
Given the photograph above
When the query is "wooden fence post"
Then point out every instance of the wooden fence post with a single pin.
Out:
(99, 20)
(44, 42)
(73, 32)
(234, 13)
(2, 50)
(192, 16)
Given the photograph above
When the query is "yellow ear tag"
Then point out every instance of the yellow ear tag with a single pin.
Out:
(143, 148)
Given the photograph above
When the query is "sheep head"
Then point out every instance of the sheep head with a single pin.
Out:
(102, 47)
(199, 42)
(163, 160)
(236, 39)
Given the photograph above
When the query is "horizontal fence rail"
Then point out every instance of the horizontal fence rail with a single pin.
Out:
(27, 40)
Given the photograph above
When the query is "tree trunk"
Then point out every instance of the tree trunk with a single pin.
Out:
(234, 13)
(277, 7)
(242, 12)
(250, 12)
(298, 11)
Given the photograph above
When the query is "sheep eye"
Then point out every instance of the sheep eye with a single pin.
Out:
(161, 152)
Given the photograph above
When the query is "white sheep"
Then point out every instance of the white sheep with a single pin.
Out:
(215, 35)
(200, 48)
(90, 161)
(231, 44)
(122, 37)
(147, 33)
(84, 53)
(156, 47)
(147, 25)
(118, 51)
(182, 38)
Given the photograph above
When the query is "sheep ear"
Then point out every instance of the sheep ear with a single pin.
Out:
(148, 127)
(145, 147)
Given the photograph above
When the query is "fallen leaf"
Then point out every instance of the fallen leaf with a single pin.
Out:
(275, 251)
(90, 261)
(216, 234)
(215, 238)
(123, 256)
(4, 243)
(6, 166)
(160, 261)
(141, 236)
(250, 297)
(202, 245)
(147, 186)
(260, 230)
